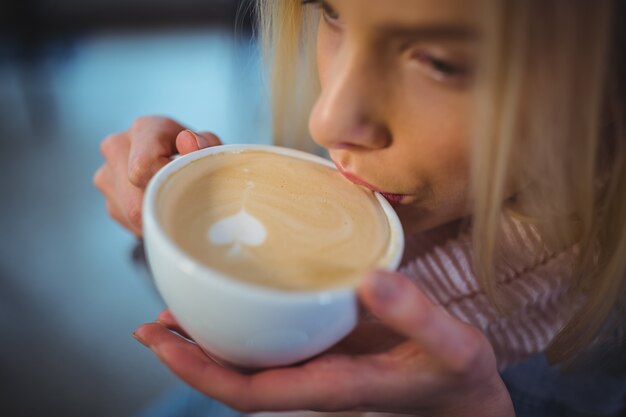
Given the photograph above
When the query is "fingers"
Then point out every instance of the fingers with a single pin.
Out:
(133, 157)
(189, 363)
(398, 303)
(182, 356)
(152, 145)
(124, 200)
(188, 141)
(368, 338)
(329, 383)
(412, 377)
(104, 182)
(167, 319)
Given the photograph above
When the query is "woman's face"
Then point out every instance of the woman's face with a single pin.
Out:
(394, 109)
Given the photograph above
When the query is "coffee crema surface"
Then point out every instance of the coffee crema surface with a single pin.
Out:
(274, 220)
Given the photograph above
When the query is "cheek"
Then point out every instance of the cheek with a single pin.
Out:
(441, 164)
(437, 110)
(450, 173)
(433, 125)
(449, 161)
(439, 132)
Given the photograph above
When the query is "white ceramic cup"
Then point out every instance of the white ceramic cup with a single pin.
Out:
(242, 324)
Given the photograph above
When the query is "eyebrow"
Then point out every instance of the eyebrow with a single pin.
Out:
(429, 32)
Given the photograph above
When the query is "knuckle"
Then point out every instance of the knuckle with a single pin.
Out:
(111, 209)
(470, 356)
(107, 145)
(422, 318)
(98, 178)
(139, 171)
(111, 145)
(134, 215)
(139, 123)
(143, 122)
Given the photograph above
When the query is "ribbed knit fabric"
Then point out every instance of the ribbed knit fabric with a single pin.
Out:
(533, 282)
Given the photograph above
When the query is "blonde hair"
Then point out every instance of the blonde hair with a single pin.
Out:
(550, 122)
(288, 35)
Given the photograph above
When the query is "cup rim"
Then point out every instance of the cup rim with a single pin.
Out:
(151, 221)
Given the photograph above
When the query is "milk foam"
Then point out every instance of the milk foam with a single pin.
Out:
(274, 220)
(239, 230)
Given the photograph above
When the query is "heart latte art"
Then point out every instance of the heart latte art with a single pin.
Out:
(275, 220)
(239, 229)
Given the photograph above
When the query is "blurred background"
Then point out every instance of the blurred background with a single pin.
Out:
(72, 282)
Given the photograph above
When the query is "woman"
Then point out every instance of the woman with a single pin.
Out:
(482, 124)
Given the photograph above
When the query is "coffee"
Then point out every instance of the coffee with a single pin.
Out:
(274, 220)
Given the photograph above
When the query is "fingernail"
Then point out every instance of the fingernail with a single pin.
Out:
(200, 140)
(140, 340)
(385, 286)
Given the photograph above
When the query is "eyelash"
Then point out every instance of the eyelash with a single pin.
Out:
(443, 70)
(328, 13)
(440, 69)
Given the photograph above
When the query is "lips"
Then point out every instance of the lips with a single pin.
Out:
(391, 197)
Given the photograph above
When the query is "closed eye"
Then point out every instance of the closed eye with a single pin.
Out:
(442, 69)
(329, 14)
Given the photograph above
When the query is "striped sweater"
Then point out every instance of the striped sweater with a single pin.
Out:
(534, 285)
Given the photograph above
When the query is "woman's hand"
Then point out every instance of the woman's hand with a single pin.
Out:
(444, 367)
(132, 157)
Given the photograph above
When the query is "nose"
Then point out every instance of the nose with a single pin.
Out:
(347, 114)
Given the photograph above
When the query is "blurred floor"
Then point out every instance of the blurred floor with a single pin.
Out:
(70, 294)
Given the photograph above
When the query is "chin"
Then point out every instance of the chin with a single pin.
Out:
(414, 220)
(420, 219)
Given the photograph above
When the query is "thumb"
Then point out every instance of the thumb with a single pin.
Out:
(188, 141)
(402, 306)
